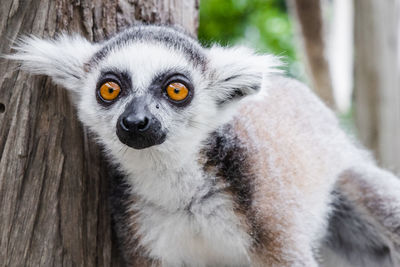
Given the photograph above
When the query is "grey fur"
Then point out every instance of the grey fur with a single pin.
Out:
(352, 236)
(364, 224)
(172, 37)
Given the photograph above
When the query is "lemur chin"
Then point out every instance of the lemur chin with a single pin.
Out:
(221, 160)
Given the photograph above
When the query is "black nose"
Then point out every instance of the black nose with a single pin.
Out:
(135, 123)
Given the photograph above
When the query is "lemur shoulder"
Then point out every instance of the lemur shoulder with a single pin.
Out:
(220, 160)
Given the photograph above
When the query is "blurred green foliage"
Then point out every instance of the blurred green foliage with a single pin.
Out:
(261, 24)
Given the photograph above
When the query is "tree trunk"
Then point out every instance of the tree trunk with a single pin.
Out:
(377, 78)
(53, 179)
(308, 17)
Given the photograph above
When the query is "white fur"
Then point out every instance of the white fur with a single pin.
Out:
(61, 58)
(209, 235)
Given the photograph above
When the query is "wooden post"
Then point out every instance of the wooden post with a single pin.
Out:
(308, 17)
(53, 179)
(377, 78)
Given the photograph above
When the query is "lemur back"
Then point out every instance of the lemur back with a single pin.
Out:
(219, 159)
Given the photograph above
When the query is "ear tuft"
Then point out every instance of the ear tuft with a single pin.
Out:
(238, 71)
(62, 58)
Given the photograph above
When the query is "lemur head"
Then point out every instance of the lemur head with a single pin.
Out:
(149, 88)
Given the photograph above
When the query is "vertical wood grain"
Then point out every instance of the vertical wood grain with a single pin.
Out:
(308, 17)
(377, 78)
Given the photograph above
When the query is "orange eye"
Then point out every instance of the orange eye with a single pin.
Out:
(109, 91)
(177, 91)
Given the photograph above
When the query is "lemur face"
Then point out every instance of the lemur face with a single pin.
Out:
(148, 88)
(146, 95)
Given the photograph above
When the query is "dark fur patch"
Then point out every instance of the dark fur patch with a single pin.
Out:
(123, 221)
(235, 94)
(169, 36)
(242, 90)
(351, 235)
(227, 155)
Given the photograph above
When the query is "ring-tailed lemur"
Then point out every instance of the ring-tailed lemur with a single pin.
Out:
(209, 179)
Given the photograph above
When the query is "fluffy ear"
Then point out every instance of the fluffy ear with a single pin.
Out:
(238, 71)
(62, 58)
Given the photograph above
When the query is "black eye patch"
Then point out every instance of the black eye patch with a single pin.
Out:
(163, 80)
(123, 79)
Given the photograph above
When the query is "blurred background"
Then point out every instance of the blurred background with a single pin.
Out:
(347, 51)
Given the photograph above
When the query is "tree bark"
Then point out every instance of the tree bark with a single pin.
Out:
(53, 179)
(377, 78)
(308, 17)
